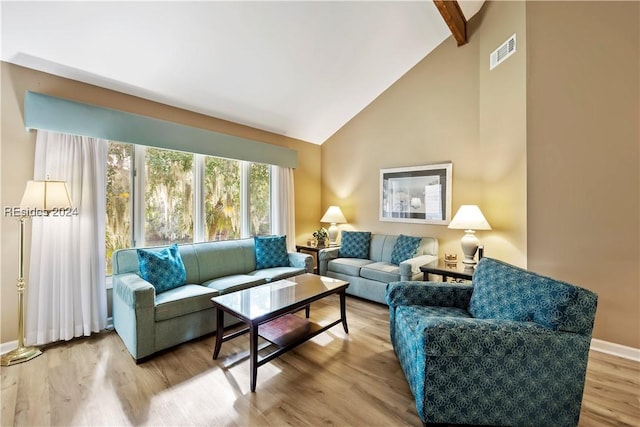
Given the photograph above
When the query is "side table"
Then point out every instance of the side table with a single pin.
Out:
(313, 250)
(458, 270)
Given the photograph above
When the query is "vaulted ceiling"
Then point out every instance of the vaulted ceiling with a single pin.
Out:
(299, 69)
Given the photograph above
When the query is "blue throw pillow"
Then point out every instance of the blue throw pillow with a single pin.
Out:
(355, 244)
(271, 251)
(404, 248)
(163, 269)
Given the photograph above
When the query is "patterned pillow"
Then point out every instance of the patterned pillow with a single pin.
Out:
(163, 269)
(271, 251)
(404, 248)
(355, 244)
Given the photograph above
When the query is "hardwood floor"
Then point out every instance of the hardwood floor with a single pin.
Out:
(335, 379)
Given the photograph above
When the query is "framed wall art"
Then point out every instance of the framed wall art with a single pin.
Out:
(420, 194)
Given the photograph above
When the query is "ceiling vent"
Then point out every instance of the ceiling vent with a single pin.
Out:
(505, 50)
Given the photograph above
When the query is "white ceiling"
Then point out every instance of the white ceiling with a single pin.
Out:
(299, 69)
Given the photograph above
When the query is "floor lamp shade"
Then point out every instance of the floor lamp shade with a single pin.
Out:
(46, 196)
(469, 218)
(39, 198)
(334, 216)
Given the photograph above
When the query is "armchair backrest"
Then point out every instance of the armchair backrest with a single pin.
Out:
(503, 291)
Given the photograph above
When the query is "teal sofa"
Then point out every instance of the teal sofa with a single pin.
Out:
(510, 349)
(149, 322)
(368, 275)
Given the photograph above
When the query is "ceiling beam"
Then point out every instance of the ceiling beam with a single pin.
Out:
(453, 16)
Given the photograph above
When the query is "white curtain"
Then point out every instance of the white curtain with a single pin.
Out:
(66, 293)
(283, 206)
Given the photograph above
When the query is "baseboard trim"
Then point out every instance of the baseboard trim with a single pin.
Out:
(8, 346)
(616, 349)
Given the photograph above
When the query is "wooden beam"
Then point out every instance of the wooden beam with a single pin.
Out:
(453, 16)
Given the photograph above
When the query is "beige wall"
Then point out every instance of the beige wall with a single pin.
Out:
(583, 154)
(448, 107)
(17, 152)
(547, 144)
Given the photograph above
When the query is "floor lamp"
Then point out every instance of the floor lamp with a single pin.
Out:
(39, 199)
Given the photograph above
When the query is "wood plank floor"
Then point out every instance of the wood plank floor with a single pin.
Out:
(334, 380)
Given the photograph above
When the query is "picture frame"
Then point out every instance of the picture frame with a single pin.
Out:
(417, 194)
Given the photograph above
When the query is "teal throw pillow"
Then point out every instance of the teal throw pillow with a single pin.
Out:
(355, 244)
(404, 248)
(271, 251)
(163, 269)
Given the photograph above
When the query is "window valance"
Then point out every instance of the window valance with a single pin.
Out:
(63, 115)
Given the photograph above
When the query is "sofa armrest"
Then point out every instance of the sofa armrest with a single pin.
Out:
(324, 256)
(134, 290)
(428, 293)
(300, 260)
(134, 313)
(412, 266)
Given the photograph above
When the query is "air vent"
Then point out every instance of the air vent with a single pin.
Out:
(505, 50)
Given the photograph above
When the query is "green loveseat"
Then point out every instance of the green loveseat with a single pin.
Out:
(369, 272)
(149, 322)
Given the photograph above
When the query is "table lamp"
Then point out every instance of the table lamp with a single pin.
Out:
(469, 218)
(334, 216)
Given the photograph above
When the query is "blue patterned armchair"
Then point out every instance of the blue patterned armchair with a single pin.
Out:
(510, 349)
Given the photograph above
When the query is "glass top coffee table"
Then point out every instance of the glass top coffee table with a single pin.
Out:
(268, 309)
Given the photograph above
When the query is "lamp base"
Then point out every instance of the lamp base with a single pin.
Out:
(19, 355)
(333, 234)
(469, 243)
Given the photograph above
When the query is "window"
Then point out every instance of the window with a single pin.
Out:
(221, 199)
(182, 197)
(119, 184)
(168, 197)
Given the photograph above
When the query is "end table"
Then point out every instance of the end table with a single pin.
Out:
(458, 270)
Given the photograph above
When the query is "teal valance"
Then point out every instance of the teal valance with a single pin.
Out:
(66, 116)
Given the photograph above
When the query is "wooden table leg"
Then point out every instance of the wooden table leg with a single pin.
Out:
(219, 332)
(253, 354)
(307, 310)
(343, 310)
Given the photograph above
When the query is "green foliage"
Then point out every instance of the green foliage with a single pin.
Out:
(168, 196)
(320, 234)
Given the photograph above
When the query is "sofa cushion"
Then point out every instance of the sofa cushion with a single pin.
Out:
(404, 248)
(162, 268)
(277, 273)
(183, 300)
(237, 282)
(381, 271)
(271, 251)
(349, 266)
(355, 244)
(503, 291)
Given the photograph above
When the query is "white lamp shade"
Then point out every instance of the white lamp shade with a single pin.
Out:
(469, 217)
(46, 196)
(333, 215)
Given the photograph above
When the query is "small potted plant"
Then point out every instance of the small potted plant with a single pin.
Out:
(321, 236)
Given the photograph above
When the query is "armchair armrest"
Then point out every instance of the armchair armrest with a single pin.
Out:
(428, 293)
(450, 337)
(300, 260)
(412, 266)
(324, 256)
